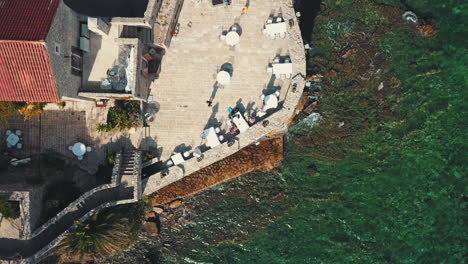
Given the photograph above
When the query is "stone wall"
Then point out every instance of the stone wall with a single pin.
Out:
(258, 132)
(64, 32)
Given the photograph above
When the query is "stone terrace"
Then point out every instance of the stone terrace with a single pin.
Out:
(190, 66)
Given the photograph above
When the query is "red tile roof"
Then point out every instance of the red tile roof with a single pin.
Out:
(26, 19)
(25, 72)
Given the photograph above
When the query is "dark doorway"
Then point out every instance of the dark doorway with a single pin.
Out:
(109, 8)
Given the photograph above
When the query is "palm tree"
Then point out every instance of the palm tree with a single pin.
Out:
(102, 234)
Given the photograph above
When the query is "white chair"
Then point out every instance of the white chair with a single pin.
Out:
(269, 69)
(222, 37)
(262, 97)
(18, 133)
(234, 28)
(217, 130)
(88, 149)
(269, 21)
(287, 60)
(80, 157)
(8, 132)
(169, 163)
(276, 60)
(277, 93)
(221, 138)
(279, 19)
(70, 148)
(282, 34)
(19, 146)
(186, 154)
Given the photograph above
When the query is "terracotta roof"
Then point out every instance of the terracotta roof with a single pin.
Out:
(25, 72)
(26, 19)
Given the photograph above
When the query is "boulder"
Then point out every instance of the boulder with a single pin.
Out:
(175, 204)
(158, 209)
(151, 229)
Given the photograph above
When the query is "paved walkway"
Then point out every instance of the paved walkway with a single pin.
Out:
(190, 65)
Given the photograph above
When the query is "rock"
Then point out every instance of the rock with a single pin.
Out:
(175, 204)
(151, 215)
(151, 229)
(158, 210)
(381, 86)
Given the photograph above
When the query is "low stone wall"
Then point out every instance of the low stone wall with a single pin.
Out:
(256, 133)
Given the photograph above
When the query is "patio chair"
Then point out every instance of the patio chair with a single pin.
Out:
(217, 130)
(169, 163)
(186, 154)
(88, 149)
(221, 138)
(9, 145)
(19, 146)
(70, 148)
(18, 133)
(8, 132)
(80, 157)
(276, 60)
(234, 28)
(269, 69)
(282, 35)
(277, 93)
(279, 19)
(270, 21)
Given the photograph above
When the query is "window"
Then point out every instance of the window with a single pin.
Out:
(57, 48)
(76, 61)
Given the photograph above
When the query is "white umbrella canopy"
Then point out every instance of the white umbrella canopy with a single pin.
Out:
(223, 77)
(270, 102)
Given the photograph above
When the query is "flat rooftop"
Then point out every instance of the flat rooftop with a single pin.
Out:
(104, 55)
(191, 63)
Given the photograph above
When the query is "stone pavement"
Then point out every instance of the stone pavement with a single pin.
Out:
(191, 63)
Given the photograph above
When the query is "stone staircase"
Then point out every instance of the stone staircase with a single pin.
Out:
(127, 169)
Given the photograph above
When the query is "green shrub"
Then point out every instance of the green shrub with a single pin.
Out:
(9, 209)
(124, 115)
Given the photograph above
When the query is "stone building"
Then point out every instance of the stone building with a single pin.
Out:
(54, 50)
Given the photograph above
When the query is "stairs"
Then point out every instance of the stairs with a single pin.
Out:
(127, 169)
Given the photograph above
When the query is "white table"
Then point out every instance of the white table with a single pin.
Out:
(12, 139)
(79, 149)
(240, 122)
(276, 28)
(232, 38)
(177, 159)
(270, 102)
(223, 77)
(282, 68)
(211, 137)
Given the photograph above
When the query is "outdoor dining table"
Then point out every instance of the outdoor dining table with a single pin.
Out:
(232, 38)
(177, 159)
(211, 137)
(240, 122)
(12, 139)
(276, 28)
(223, 77)
(282, 68)
(79, 149)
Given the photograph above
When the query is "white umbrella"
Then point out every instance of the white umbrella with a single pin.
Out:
(270, 102)
(232, 38)
(223, 77)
